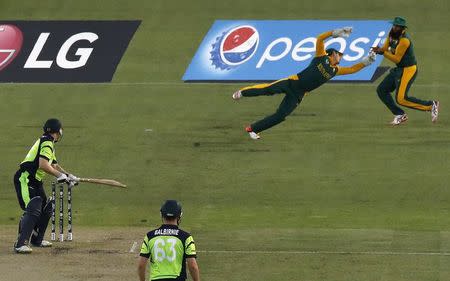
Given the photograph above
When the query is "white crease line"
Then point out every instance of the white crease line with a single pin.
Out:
(385, 253)
(133, 247)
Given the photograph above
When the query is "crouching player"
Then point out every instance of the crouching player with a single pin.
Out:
(40, 160)
(398, 48)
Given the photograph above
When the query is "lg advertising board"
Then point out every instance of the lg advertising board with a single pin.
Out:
(62, 51)
(267, 50)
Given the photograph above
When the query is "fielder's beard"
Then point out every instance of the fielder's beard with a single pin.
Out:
(395, 35)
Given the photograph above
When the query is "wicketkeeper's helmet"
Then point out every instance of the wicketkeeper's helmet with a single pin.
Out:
(171, 209)
(52, 125)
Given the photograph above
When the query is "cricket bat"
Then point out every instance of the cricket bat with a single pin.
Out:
(104, 181)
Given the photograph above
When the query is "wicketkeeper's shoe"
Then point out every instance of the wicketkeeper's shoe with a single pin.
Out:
(237, 95)
(44, 244)
(252, 134)
(25, 249)
(434, 111)
(399, 119)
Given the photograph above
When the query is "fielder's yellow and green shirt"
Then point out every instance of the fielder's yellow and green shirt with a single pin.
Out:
(320, 70)
(400, 51)
(167, 247)
(43, 147)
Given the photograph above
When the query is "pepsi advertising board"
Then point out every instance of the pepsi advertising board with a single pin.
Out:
(62, 51)
(267, 50)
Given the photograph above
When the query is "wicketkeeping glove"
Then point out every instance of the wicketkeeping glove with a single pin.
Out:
(369, 59)
(342, 32)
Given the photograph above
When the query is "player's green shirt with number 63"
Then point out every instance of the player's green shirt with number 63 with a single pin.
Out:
(167, 247)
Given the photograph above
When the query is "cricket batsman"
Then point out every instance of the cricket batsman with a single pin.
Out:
(39, 161)
(322, 68)
(398, 48)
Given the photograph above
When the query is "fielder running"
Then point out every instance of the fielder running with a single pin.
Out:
(398, 48)
(169, 249)
(40, 160)
(322, 68)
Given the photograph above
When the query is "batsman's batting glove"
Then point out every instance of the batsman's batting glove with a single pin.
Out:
(369, 59)
(73, 179)
(342, 32)
(63, 178)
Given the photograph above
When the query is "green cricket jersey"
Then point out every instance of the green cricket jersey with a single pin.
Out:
(43, 147)
(318, 72)
(167, 247)
(408, 58)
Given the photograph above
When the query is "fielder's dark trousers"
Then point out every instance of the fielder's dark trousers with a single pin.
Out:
(400, 79)
(293, 97)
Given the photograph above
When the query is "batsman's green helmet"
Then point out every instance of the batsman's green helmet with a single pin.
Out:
(171, 209)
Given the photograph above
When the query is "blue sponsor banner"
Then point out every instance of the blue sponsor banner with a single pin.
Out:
(265, 50)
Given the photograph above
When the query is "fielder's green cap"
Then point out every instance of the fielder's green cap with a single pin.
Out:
(329, 51)
(399, 21)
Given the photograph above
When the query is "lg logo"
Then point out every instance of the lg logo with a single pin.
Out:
(61, 58)
(11, 40)
(63, 51)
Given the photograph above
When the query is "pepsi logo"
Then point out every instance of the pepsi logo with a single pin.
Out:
(234, 47)
(11, 40)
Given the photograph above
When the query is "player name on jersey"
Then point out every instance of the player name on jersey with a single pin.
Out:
(167, 231)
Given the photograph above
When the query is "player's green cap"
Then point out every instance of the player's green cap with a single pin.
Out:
(329, 51)
(399, 21)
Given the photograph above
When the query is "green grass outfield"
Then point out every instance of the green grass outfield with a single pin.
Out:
(333, 193)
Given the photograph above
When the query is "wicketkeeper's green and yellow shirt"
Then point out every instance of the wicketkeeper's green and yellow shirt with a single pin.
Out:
(320, 70)
(42, 148)
(167, 247)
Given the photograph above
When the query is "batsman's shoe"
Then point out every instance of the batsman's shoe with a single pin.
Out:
(399, 119)
(25, 249)
(252, 134)
(43, 244)
(237, 95)
(434, 111)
